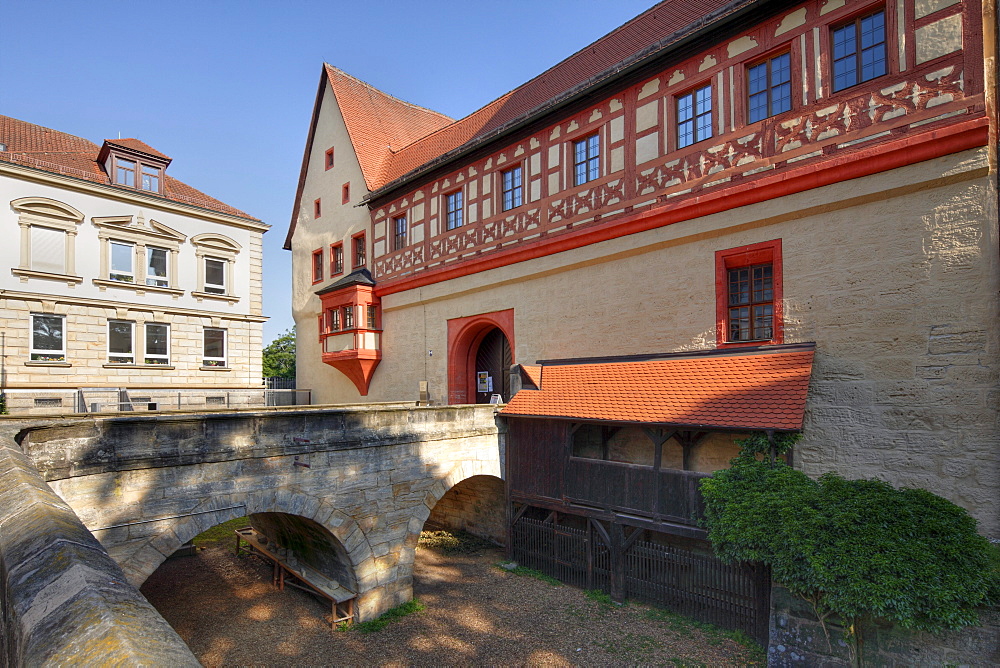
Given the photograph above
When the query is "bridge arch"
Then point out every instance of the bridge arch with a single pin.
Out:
(343, 528)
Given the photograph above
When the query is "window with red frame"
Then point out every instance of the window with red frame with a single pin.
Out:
(359, 251)
(399, 233)
(372, 317)
(748, 294)
(317, 265)
(859, 51)
(345, 193)
(348, 317)
(336, 259)
(333, 319)
(317, 208)
(329, 158)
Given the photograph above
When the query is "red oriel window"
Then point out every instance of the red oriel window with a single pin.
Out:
(748, 284)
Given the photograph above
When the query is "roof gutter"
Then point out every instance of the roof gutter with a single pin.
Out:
(728, 16)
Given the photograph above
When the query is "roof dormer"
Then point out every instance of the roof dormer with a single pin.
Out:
(133, 164)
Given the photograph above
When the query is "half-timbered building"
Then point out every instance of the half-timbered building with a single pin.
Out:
(724, 216)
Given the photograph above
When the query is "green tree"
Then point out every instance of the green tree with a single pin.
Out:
(279, 356)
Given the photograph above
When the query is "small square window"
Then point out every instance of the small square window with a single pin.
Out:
(151, 178)
(511, 188)
(317, 208)
(769, 87)
(453, 209)
(317, 266)
(359, 251)
(122, 258)
(329, 158)
(215, 276)
(694, 116)
(120, 342)
(586, 159)
(336, 259)
(345, 193)
(156, 267)
(157, 344)
(125, 172)
(48, 340)
(859, 51)
(214, 347)
(399, 233)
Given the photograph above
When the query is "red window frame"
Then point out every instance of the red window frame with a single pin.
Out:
(359, 254)
(400, 230)
(317, 208)
(317, 266)
(329, 158)
(766, 252)
(345, 193)
(336, 258)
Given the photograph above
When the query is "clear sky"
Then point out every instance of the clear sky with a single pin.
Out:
(226, 88)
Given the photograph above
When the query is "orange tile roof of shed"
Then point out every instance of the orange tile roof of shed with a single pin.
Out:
(739, 391)
(61, 153)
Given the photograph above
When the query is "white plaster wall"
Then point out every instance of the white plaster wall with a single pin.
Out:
(337, 222)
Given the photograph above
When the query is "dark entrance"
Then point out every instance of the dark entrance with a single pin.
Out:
(493, 360)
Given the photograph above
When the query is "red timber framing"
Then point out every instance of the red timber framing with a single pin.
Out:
(916, 112)
(464, 337)
(350, 334)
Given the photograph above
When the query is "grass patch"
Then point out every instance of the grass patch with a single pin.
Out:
(379, 623)
(453, 542)
(631, 646)
(713, 635)
(220, 533)
(531, 573)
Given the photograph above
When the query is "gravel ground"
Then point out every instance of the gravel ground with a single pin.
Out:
(474, 613)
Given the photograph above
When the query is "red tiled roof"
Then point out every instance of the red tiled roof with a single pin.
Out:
(533, 372)
(753, 391)
(642, 33)
(137, 145)
(379, 123)
(61, 153)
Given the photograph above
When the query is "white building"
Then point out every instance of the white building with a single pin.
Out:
(125, 284)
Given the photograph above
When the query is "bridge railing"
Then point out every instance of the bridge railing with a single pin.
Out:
(59, 401)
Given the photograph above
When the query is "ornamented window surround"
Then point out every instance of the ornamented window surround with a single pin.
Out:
(50, 213)
(745, 256)
(218, 247)
(139, 234)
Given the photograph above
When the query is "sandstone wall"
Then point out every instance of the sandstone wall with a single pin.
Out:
(476, 505)
(64, 601)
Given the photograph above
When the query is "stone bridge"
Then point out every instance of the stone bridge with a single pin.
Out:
(347, 488)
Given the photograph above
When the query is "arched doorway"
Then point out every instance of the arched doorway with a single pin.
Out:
(493, 360)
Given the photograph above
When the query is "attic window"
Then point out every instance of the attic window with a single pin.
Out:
(134, 174)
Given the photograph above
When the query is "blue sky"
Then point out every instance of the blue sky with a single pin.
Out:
(226, 88)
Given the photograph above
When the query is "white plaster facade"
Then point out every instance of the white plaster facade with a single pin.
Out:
(77, 284)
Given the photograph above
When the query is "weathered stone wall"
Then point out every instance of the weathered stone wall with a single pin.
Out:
(798, 639)
(63, 600)
(368, 475)
(476, 505)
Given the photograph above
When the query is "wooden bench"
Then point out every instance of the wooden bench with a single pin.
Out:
(286, 569)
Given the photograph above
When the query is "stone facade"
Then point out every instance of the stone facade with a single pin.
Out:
(881, 200)
(476, 505)
(64, 601)
(367, 476)
(797, 638)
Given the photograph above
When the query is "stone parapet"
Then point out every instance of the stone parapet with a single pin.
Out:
(64, 600)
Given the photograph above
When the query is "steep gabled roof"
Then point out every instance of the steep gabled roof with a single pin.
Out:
(759, 391)
(61, 153)
(378, 123)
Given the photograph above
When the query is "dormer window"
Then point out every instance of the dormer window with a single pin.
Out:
(133, 164)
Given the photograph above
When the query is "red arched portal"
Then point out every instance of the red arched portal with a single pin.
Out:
(464, 337)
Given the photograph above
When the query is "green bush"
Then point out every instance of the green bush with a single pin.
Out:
(854, 548)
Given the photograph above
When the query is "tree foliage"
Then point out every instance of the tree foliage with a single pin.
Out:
(854, 548)
(279, 356)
